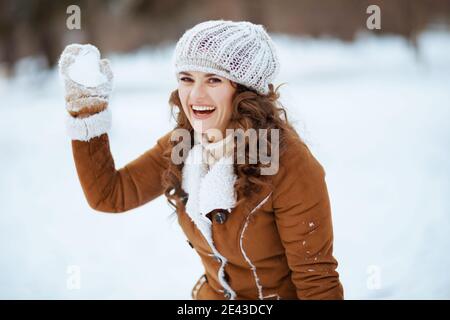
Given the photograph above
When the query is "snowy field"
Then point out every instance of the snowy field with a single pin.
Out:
(376, 114)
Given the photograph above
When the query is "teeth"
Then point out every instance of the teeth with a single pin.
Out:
(203, 108)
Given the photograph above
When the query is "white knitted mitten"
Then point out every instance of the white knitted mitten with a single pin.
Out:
(88, 83)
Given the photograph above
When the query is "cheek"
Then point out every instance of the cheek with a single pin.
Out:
(226, 112)
(182, 94)
(226, 105)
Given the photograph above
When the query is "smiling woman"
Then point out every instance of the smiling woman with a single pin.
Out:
(206, 100)
(258, 236)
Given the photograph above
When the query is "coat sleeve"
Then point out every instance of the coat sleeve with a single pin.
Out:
(109, 190)
(303, 217)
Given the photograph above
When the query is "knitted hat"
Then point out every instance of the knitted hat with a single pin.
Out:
(239, 51)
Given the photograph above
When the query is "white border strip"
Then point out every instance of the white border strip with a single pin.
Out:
(252, 266)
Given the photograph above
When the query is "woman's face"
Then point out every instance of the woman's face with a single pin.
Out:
(207, 101)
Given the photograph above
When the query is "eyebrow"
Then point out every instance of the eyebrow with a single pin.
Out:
(206, 75)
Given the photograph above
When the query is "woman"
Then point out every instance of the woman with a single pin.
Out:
(260, 234)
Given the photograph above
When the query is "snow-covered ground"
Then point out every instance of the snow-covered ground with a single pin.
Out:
(375, 113)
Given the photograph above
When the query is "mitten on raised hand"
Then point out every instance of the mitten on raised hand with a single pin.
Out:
(88, 83)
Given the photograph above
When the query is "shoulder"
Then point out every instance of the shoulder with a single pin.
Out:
(166, 142)
(299, 173)
(158, 153)
(297, 157)
(300, 181)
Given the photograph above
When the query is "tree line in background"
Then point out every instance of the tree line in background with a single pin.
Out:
(38, 27)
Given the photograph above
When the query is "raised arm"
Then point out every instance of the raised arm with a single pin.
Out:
(110, 190)
(88, 84)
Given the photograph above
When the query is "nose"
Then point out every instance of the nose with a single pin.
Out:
(198, 93)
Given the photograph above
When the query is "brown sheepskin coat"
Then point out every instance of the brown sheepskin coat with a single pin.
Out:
(276, 245)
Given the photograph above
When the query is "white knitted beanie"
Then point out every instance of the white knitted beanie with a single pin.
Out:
(242, 52)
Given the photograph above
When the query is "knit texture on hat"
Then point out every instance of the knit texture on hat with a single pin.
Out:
(239, 51)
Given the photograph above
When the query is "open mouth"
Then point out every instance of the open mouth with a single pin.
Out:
(202, 112)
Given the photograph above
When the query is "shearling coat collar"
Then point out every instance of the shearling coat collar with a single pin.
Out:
(208, 189)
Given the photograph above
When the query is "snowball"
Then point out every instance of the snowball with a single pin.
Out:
(86, 69)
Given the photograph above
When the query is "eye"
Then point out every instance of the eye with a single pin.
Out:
(185, 79)
(214, 80)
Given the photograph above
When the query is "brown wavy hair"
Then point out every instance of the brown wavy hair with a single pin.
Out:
(250, 110)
